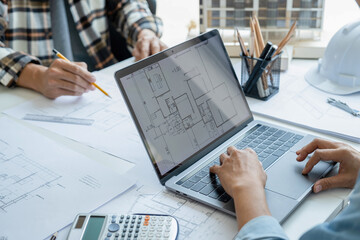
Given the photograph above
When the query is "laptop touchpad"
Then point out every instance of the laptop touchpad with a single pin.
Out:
(285, 176)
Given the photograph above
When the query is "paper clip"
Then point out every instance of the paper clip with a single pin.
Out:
(343, 106)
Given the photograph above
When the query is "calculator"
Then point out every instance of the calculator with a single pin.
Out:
(123, 227)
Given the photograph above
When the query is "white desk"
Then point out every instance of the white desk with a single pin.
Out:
(316, 209)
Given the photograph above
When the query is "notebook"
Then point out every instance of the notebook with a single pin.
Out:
(188, 107)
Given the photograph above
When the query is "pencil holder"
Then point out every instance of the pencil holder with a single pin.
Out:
(267, 84)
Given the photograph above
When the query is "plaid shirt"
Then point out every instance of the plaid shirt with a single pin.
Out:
(26, 35)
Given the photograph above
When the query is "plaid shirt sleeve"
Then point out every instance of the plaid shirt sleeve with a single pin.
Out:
(131, 17)
(11, 62)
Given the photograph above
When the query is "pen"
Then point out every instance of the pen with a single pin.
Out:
(53, 237)
(57, 53)
(266, 55)
(263, 67)
(343, 106)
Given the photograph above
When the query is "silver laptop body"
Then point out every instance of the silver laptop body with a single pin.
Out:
(188, 107)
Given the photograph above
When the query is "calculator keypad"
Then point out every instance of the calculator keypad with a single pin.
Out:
(129, 227)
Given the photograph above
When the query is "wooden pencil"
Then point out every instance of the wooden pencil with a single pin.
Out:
(286, 39)
(259, 35)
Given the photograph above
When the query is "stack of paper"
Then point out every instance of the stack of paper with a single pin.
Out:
(43, 185)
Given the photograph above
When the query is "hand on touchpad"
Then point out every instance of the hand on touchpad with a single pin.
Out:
(285, 176)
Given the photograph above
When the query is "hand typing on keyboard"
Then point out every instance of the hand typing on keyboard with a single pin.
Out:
(243, 178)
(239, 168)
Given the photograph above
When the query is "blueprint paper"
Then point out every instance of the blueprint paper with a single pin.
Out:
(43, 185)
(113, 130)
(301, 104)
(196, 220)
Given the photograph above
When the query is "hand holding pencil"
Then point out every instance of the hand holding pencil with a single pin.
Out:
(60, 78)
(57, 53)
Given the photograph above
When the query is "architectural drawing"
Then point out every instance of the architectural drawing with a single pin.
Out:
(112, 121)
(43, 185)
(196, 221)
(20, 177)
(104, 111)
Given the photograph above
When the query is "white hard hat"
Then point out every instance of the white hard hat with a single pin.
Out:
(338, 72)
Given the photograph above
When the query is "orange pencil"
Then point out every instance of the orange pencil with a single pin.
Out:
(57, 53)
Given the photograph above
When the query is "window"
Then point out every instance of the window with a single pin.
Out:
(215, 3)
(276, 17)
(334, 15)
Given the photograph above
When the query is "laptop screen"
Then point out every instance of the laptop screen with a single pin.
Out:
(184, 100)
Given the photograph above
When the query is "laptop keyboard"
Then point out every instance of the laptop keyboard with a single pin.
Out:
(268, 142)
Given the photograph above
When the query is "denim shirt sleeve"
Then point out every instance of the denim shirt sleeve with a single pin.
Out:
(263, 227)
(344, 226)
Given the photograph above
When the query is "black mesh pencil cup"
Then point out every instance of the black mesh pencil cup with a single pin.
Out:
(267, 84)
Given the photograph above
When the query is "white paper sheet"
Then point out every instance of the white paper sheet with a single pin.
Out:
(299, 103)
(44, 185)
(113, 131)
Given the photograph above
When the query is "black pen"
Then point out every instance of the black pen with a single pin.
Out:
(259, 67)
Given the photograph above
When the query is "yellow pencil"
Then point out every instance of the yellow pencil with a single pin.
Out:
(57, 53)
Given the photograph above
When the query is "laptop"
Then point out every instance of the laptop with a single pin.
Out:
(188, 107)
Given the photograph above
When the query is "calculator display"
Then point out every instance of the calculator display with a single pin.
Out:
(93, 228)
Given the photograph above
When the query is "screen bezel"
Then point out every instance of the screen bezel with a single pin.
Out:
(156, 58)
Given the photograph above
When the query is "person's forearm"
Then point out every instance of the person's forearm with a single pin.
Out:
(250, 202)
(30, 76)
(13, 64)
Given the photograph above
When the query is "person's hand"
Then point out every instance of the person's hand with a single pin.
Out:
(147, 44)
(324, 150)
(243, 178)
(60, 78)
(239, 169)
